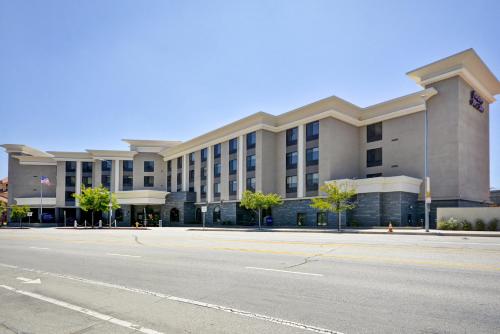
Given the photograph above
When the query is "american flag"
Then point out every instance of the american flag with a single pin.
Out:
(44, 180)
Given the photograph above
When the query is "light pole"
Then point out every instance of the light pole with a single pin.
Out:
(427, 190)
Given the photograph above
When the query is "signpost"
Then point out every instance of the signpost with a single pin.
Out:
(29, 214)
(203, 211)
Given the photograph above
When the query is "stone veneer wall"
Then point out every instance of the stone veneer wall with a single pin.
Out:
(182, 201)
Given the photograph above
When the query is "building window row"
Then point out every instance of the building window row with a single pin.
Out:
(292, 159)
(292, 136)
(251, 140)
(374, 132)
(128, 165)
(251, 162)
(374, 157)
(149, 166)
(312, 131)
(312, 156)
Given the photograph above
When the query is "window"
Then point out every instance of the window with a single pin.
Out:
(149, 166)
(322, 219)
(369, 176)
(169, 166)
(149, 181)
(312, 181)
(217, 149)
(191, 159)
(70, 181)
(374, 132)
(203, 190)
(233, 145)
(106, 181)
(233, 187)
(312, 130)
(106, 165)
(291, 136)
(86, 167)
(233, 166)
(68, 196)
(312, 156)
(291, 160)
(217, 169)
(251, 162)
(216, 214)
(374, 157)
(179, 181)
(169, 183)
(70, 166)
(204, 154)
(291, 184)
(191, 175)
(251, 140)
(301, 219)
(203, 173)
(87, 181)
(127, 182)
(251, 183)
(217, 189)
(128, 165)
(179, 163)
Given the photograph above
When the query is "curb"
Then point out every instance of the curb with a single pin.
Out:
(441, 234)
(101, 228)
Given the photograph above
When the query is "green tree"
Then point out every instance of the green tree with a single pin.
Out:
(19, 212)
(258, 201)
(338, 199)
(96, 200)
(3, 210)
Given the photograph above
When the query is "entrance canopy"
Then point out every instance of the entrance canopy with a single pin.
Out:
(35, 201)
(141, 197)
(383, 184)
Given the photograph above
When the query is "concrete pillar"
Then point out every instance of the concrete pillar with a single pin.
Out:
(301, 160)
(117, 175)
(210, 175)
(185, 173)
(78, 181)
(241, 167)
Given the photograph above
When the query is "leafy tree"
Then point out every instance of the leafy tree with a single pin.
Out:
(338, 199)
(96, 200)
(258, 201)
(3, 209)
(19, 212)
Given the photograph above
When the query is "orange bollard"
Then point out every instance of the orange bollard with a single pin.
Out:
(390, 228)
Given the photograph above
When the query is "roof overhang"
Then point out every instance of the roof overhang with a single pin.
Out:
(23, 149)
(466, 64)
(71, 156)
(400, 183)
(35, 201)
(35, 161)
(141, 197)
(111, 154)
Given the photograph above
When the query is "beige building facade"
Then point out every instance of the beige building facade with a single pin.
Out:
(381, 148)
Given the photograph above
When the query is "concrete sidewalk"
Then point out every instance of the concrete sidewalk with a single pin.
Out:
(398, 231)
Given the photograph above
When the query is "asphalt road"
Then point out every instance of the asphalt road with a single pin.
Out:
(173, 280)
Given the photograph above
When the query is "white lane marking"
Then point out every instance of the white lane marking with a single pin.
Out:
(284, 271)
(8, 266)
(462, 243)
(42, 248)
(29, 280)
(83, 310)
(124, 255)
(263, 317)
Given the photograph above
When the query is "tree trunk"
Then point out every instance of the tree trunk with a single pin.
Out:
(92, 218)
(20, 223)
(260, 219)
(339, 221)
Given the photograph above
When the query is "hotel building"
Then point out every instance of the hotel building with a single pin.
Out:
(381, 148)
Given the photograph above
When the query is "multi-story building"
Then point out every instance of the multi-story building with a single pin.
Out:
(380, 147)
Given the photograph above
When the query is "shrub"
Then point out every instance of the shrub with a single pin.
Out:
(480, 225)
(466, 225)
(354, 223)
(493, 224)
(453, 224)
(443, 224)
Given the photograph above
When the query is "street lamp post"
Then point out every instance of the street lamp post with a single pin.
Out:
(427, 192)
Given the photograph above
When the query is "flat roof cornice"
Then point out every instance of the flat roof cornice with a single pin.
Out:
(466, 64)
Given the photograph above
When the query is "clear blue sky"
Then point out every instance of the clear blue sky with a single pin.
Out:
(85, 74)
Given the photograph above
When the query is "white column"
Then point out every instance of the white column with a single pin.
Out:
(117, 175)
(241, 166)
(78, 181)
(301, 161)
(210, 175)
(185, 174)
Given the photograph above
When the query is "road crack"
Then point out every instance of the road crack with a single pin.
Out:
(310, 259)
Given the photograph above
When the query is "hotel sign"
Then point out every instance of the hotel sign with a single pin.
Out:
(476, 101)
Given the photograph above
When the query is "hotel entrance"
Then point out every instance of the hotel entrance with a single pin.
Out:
(145, 215)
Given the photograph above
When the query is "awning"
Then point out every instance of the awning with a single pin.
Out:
(141, 197)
